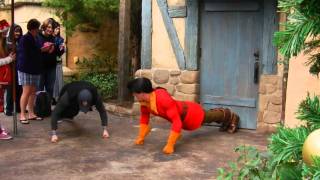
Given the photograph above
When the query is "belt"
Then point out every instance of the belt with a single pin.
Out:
(184, 111)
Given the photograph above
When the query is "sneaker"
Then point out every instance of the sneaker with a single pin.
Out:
(4, 131)
(5, 136)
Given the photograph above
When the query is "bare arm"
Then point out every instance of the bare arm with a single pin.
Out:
(7, 60)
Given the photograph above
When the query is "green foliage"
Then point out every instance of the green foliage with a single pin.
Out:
(312, 172)
(105, 82)
(288, 170)
(249, 165)
(283, 159)
(75, 12)
(303, 22)
(286, 144)
(309, 112)
(70, 79)
(105, 63)
(100, 71)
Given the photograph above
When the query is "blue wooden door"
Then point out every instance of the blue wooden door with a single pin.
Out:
(231, 40)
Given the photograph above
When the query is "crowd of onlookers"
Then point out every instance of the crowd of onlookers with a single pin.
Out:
(38, 66)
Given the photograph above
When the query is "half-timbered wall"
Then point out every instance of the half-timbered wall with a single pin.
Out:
(170, 55)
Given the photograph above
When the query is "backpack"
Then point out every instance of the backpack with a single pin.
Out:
(42, 107)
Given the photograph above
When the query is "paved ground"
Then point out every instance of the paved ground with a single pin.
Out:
(82, 154)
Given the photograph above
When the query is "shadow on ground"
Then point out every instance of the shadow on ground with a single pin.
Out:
(83, 154)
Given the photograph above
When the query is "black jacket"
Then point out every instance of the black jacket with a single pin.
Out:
(49, 59)
(29, 55)
(68, 107)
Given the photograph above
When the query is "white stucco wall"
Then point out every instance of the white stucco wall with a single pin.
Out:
(162, 52)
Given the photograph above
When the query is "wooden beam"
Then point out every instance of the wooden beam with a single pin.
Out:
(270, 26)
(124, 59)
(191, 37)
(177, 11)
(146, 39)
(231, 6)
(173, 36)
(229, 101)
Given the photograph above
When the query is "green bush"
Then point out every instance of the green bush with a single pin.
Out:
(77, 12)
(249, 165)
(284, 155)
(105, 82)
(100, 63)
(302, 23)
(100, 71)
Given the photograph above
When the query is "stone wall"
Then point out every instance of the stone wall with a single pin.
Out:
(182, 85)
(270, 102)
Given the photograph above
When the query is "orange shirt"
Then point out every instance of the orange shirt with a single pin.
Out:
(163, 105)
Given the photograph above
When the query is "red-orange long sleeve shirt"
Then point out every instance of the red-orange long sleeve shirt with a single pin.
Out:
(163, 105)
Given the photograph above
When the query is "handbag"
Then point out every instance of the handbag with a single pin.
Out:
(5, 74)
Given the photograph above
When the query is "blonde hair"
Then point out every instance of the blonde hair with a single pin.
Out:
(46, 23)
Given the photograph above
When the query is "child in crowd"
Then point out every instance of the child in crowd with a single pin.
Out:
(60, 49)
(13, 36)
(5, 58)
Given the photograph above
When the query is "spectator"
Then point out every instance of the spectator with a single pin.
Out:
(48, 75)
(29, 65)
(60, 49)
(4, 59)
(13, 36)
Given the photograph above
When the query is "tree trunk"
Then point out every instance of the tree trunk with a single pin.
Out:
(124, 59)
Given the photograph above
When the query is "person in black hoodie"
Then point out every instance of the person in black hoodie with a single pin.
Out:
(74, 97)
(48, 75)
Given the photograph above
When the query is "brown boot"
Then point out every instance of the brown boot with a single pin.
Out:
(220, 116)
(226, 119)
(234, 123)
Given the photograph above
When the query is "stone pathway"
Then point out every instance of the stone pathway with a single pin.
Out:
(83, 154)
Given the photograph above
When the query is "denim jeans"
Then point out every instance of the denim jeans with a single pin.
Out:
(8, 97)
(47, 81)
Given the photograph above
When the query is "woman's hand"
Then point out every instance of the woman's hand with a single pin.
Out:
(105, 134)
(61, 47)
(54, 138)
(13, 56)
(51, 48)
(45, 49)
(47, 46)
